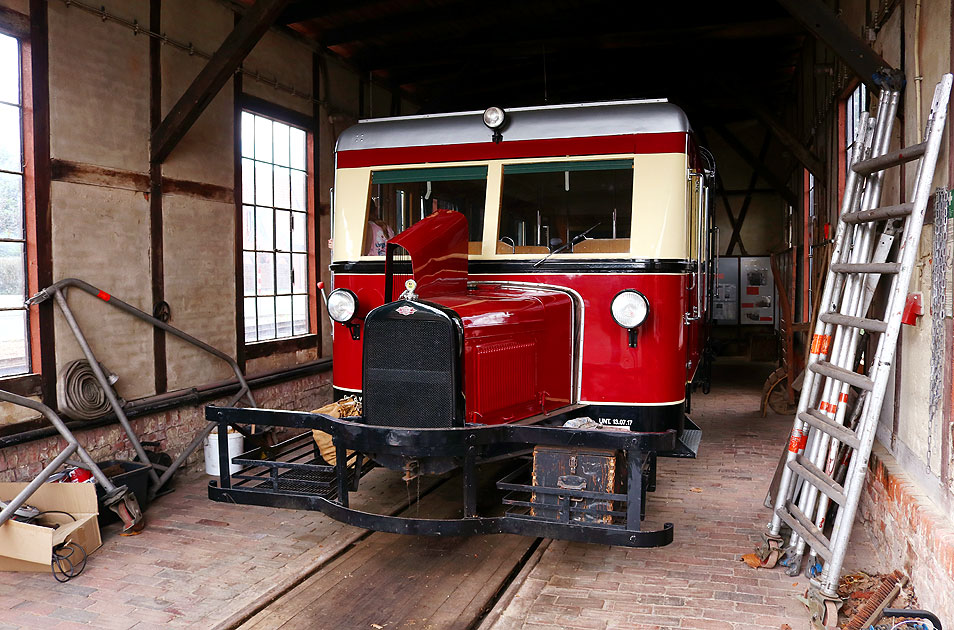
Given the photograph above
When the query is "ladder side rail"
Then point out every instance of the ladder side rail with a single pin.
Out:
(809, 387)
(887, 345)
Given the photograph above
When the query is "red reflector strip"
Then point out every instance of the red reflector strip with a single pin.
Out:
(797, 442)
(844, 397)
(103, 296)
(820, 344)
(751, 290)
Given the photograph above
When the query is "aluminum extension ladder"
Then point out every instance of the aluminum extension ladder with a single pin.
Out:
(827, 457)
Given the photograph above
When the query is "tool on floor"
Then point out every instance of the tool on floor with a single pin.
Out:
(883, 595)
(58, 292)
(120, 500)
(864, 234)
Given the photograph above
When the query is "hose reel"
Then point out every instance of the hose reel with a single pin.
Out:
(78, 393)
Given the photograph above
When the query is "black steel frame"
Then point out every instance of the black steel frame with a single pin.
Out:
(285, 479)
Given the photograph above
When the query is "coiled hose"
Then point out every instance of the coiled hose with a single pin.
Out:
(78, 393)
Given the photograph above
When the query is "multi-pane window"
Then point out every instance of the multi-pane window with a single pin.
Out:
(855, 106)
(14, 325)
(274, 229)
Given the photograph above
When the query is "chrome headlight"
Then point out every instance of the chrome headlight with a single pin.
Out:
(629, 308)
(342, 305)
(494, 117)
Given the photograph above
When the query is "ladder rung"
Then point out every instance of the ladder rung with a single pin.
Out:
(877, 214)
(865, 267)
(823, 423)
(797, 520)
(882, 162)
(871, 325)
(812, 473)
(841, 374)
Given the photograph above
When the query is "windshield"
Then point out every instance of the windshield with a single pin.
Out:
(547, 206)
(401, 198)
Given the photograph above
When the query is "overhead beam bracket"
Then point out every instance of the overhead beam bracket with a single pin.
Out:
(874, 71)
(223, 64)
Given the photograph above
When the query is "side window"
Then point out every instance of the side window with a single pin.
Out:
(275, 225)
(401, 198)
(14, 316)
(547, 206)
(855, 105)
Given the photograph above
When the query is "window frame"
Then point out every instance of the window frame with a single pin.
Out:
(311, 339)
(39, 349)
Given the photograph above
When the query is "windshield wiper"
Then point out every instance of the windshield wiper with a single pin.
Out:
(579, 238)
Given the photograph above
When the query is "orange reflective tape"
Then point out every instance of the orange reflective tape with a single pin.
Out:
(825, 343)
(798, 440)
(816, 344)
(844, 397)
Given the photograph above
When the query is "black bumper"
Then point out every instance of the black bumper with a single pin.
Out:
(292, 475)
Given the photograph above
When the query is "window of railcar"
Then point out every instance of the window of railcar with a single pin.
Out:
(400, 198)
(544, 206)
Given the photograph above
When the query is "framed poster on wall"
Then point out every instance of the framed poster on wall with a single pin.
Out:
(756, 291)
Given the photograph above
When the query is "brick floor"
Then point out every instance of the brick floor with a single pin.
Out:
(698, 581)
(198, 562)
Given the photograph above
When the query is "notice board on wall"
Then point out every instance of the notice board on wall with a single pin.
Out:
(725, 304)
(756, 291)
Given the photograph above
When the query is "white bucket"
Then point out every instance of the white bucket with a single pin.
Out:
(236, 444)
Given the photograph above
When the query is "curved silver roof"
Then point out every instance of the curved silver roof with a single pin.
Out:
(525, 123)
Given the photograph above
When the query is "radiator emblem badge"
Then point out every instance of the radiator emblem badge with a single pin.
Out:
(406, 310)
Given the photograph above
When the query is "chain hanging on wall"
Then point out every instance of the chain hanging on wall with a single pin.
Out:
(939, 308)
(136, 28)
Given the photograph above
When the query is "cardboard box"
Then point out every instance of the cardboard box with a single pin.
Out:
(26, 547)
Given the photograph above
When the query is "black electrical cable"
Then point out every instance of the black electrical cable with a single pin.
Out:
(63, 566)
(39, 514)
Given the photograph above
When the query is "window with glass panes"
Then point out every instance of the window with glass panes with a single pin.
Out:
(14, 324)
(274, 229)
(855, 105)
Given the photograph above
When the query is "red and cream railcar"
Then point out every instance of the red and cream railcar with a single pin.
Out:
(596, 202)
(529, 282)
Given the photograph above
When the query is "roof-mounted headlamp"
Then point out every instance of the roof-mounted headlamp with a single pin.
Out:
(495, 118)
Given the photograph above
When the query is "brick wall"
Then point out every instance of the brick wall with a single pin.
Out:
(910, 533)
(174, 429)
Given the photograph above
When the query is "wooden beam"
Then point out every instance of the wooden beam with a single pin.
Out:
(744, 210)
(870, 67)
(757, 165)
(802, 153)
(213, 76)
(310, 10)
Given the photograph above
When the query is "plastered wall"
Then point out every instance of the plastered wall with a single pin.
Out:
(100, 98)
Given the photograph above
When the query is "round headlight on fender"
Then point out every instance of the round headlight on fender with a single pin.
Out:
(629, 308)
(342, 305)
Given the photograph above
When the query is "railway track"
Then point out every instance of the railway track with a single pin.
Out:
(393, 581)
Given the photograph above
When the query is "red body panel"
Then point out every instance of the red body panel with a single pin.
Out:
(654, 372)
(670, 142)
(440, 264)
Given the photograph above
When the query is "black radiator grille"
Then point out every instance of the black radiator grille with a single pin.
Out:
(411, 374)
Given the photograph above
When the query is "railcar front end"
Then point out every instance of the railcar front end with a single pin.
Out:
(530, 285)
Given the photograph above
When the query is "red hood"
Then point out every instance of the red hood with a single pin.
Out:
(438, 249)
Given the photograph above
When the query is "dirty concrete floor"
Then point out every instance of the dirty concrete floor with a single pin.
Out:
(198, 563)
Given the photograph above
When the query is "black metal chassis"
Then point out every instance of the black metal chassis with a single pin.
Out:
(470, 445)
